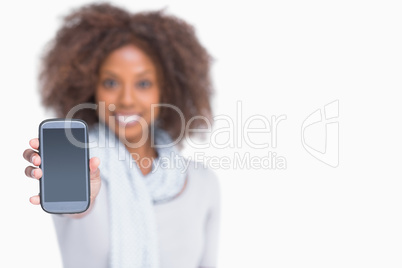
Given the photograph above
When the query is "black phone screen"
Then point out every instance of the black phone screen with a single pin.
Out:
(64, 166)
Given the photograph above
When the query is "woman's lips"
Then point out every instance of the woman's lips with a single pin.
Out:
(127, 119)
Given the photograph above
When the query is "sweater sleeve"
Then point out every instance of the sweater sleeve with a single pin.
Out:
(212, 225)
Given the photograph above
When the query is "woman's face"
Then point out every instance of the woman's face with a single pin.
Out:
(128, 85)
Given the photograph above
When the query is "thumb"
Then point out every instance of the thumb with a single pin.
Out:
(93, 164)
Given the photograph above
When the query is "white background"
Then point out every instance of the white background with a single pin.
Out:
(278, 58)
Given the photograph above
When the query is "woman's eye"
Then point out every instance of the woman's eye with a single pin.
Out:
(144, 84)
(109, 83)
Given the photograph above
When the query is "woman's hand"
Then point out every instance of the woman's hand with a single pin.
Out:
(32, 156)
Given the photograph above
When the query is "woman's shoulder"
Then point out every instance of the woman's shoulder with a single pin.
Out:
(199, 169)
(203, 175)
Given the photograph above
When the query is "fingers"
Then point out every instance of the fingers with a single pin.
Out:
(34, 143)
(32, 157)
(35, 199)
(33, 172)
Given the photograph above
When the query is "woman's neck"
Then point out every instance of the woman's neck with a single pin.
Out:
(143, 156)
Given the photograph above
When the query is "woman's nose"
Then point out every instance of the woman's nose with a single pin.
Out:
(127, 97)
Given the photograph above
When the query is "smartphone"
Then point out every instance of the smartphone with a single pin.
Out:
(63, 147)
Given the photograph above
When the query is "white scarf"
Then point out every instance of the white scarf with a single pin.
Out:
(133, 232)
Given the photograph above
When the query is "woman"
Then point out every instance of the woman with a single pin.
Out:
(149, 77)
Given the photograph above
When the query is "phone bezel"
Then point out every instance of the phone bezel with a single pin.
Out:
(63, 207)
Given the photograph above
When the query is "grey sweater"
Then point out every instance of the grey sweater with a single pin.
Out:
(188, 227)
